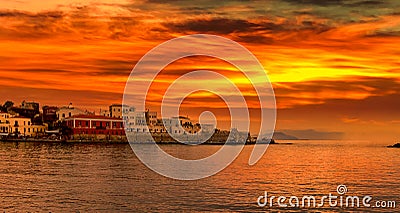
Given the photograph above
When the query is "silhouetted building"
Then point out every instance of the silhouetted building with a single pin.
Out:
(50, 114)
(30, 105)
(27, 110)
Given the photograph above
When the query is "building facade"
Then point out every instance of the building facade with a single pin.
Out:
(116, 110)
(136, 121)
(69, 111)
(105, 113)
(94, 127)
(181, 125)
(20, 126)
(50, 114)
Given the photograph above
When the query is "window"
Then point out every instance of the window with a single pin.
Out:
(29, 123)
(16, 123)
(29, 129)
(87, 123)
(63, 115)
(69, 114)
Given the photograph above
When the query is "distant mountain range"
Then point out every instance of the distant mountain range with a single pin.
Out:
(283, 136)
(306, 134)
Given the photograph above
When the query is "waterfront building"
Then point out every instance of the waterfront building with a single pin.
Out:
(181, 125)
(135, 121)
(116, 110)
(158, 127)
(95, 127)
(3, 123)
(151, 118)
(104, 112)
(4, 116)
(20, 126)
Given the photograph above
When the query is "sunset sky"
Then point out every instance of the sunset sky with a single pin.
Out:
(334, 65)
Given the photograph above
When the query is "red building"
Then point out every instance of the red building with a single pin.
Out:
(95, 125)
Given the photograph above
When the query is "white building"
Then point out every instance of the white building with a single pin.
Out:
(181, 125)
(135, 121)
(69, 111)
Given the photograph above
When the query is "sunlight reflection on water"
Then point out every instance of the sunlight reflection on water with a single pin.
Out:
(108, 177)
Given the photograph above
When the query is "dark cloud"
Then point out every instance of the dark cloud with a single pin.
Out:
(317, 2)
(257, 39)
(40, 15)
(349, 3)
(122, 27)
(367, 3)
(25, 25)
(246, 31)
(383, 34)
(216, 25)
(78, 23)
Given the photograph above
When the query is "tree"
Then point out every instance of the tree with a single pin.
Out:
(7, 105)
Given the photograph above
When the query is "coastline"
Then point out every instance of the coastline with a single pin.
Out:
(125, 142)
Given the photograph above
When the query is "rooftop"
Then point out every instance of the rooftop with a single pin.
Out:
(19, 116)
(119, 105)
(94, 117)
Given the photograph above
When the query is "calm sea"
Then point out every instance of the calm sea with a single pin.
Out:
(108, 177)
